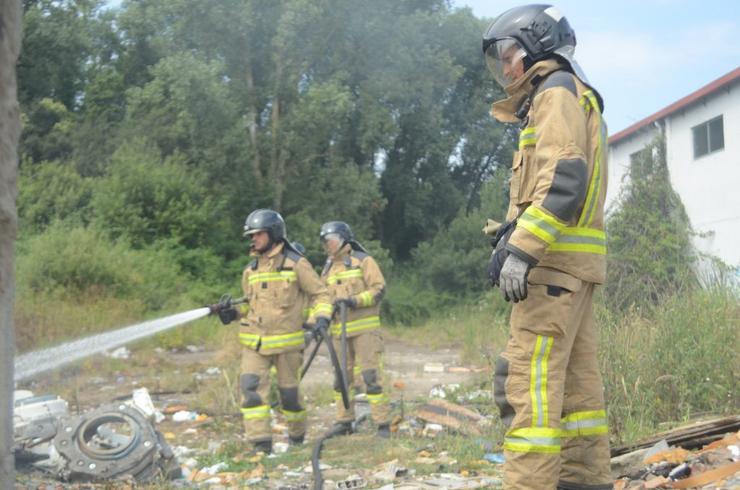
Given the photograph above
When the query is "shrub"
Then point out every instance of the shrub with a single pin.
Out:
(650, 252)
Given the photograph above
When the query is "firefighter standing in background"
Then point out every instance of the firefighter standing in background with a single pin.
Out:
(551, 256)
(278, 284)
(354, 279)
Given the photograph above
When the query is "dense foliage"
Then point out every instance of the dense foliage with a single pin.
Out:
(157, 126)
(153, 128)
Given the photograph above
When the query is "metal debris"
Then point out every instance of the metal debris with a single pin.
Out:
(116, 440)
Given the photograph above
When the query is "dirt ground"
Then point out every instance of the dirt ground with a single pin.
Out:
(205, 382)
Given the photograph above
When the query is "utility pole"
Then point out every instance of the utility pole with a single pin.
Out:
(10, 46)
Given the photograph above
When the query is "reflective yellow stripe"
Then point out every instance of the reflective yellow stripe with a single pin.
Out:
(357, 325)
(344, 275)
(533, 440)
(588, 423)
(588, 100)
(306, 313)
(271, 341)
(576, 239)
(292, 416)
(287, 340)
(289, 276)
(377, 399)
(249, 339)
(559, 237)
(365, 299)
(244, 308)
(538, 380)
(527, 137)
(255, 413)
(322, 309)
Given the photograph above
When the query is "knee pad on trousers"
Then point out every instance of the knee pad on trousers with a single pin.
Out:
(289, 399)
(248, 384)
(500, 373)
(371, 380)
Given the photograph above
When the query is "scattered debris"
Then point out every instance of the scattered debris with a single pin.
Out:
(120, 353)
(664, 466)
(434, 367)
(452, 416)
(113, 441)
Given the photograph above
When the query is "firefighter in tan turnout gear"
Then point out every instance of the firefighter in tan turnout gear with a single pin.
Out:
(278, 285)
(355, 280)
(550, 255)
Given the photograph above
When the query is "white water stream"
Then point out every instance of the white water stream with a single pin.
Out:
(33, 363)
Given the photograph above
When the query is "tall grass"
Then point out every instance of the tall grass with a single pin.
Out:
(662, 366)
(676, 362)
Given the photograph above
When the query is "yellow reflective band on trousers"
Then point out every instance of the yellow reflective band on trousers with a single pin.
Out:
(559, 237)
(256, 277)
(538, 381)
(589, 423)
(533, 440)
(377, 399)
(589, 103)
(365, 299)
(292, 416)
(255, 413)
(344, 275)
(357, 325)
(271, 341)
(527, 137)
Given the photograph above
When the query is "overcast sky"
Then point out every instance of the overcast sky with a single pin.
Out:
(645, 55)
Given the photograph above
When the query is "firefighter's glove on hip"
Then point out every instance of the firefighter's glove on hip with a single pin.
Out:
(322, 324)
(513, 279)
(348, 302)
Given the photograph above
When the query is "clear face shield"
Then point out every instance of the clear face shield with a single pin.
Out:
(332, 242)
(505, 60)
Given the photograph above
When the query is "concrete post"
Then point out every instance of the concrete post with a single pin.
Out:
(10, 45)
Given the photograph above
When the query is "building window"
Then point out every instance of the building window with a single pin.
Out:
(708, 137)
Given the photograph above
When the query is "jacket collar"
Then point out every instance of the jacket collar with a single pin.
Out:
(522, 89)
(276, 249)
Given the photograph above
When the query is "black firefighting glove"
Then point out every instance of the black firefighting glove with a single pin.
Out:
(499, 254)
(348, 302)
(322, 324)
(225, 310)
(227, 315)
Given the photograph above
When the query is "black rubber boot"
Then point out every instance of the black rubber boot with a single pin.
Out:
(384, 431)
(263, 447)
(297, 440)
(341, 429)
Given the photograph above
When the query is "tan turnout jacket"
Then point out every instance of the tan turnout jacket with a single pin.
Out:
(355, 274)
(559, 173)
(277, 286)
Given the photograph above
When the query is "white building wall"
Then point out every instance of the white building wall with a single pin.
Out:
(709, 186)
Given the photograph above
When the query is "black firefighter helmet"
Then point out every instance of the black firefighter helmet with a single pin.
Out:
(344, 232)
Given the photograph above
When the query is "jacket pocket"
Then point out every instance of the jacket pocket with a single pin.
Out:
(524, 175)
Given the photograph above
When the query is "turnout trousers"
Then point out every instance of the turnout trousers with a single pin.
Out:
(549, 391)
(366, 351)
(254, 383)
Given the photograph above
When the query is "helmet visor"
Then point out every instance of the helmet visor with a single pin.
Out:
(331, 236)
(504, 59)
(248, 231)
